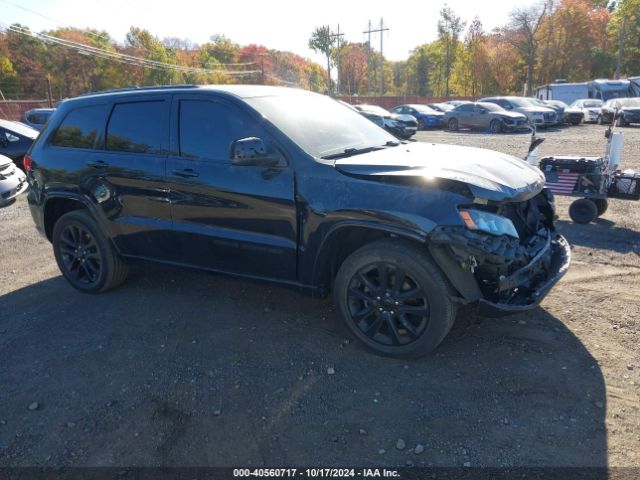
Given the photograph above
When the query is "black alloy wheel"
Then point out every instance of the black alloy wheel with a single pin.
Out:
(79, 253)
(393, 298)
(387, 304)
(86, 258)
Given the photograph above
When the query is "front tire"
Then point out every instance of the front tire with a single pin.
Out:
(393, 298)
(495, 126)
(583, 211)
(453, 124)
(85, 257)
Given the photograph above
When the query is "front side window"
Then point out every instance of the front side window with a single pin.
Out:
(81, 127)
(137, 127)
(207, 129)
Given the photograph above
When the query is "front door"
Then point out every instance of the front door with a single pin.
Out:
(227, 217)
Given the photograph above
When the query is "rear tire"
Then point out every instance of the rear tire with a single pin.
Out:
(393, 298)
(453, 124)
(85, 257)
(421, 125)
(602, 204)
(583, 211)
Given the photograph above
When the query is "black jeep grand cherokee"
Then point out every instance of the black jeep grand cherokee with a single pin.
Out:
(290, 186)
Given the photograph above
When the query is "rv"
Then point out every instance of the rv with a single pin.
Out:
(607, 89)
(563, 91)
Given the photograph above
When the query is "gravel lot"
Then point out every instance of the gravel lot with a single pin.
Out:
(180, 367)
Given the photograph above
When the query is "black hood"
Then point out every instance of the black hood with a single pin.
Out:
(488, 174)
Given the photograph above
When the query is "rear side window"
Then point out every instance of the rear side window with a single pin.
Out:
(81, 127)
(137, 127)
(207, 129)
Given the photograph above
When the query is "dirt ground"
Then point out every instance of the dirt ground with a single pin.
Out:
(180, 367)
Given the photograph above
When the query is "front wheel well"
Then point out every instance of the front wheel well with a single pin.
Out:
(55, 208)
(340, 245)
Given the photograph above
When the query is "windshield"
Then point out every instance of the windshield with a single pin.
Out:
(320, 125)
(373, 109)
(520, 102)
(630, 102)
(557, 103)
(442, 107)
(592, 104)
(423, 109)
(492, 107)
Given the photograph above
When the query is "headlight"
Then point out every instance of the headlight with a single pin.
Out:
(488, 222)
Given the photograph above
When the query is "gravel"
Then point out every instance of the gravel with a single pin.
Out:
(253, 364)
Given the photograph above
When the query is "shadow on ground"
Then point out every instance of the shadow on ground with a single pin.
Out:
(184, 368)
(601, 234)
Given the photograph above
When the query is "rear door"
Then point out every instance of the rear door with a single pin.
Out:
(125, 175)
(240, 219)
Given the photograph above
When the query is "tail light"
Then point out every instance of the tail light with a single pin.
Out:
(27, 162)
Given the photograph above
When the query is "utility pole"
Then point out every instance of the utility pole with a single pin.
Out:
(620, 48)
(49, 94)
(337, 36)
(369, 59)
(381, 30)
(262, 68)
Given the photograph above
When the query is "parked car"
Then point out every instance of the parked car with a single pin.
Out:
(13, 181)
(484, 116)
(590, 108)
(15, 140)
(426, 117)
(567, 114)
(402, 126)
(288, 186)
(624, 111)
(36, 118)
(559, 112)
(441, 107)
(538, 116)
(457, 103)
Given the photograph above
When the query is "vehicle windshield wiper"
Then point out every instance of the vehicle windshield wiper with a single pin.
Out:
(349, 152)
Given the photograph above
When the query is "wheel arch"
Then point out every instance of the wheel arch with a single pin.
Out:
(344, 239)
(57, 204)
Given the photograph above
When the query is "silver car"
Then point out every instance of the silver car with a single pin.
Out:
(538, 116)
(13, 181)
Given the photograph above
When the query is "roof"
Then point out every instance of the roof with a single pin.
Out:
(19, 128)
(242, 91)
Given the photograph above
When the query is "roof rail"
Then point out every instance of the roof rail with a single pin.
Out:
(135, 88)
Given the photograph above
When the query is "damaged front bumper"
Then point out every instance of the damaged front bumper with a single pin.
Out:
(497, 272)
(554, 260)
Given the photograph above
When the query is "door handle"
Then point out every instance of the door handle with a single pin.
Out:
(185, 173)
(97, 164)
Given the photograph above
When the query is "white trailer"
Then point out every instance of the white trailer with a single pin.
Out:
(566, 92)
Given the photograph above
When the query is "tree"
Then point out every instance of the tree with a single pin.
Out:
(449, 28)
(625, 29)
(417, 66)
(323, 41)
(523, 26)
(353, 67)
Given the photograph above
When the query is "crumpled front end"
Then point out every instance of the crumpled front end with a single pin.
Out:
(503, 273)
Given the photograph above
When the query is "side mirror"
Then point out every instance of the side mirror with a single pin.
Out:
(252, 152)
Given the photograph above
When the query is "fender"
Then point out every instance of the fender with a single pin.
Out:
(97, 214)
(322, 259)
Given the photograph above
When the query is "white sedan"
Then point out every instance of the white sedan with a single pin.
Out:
(590, 107)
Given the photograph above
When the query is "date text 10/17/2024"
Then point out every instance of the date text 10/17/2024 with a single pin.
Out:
(316, 472)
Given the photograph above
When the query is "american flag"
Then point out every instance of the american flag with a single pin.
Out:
(562, 182)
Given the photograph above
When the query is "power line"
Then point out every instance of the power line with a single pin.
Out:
(382, 29)
(130, 59)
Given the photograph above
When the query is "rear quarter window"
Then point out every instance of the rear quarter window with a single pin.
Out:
(81, 127)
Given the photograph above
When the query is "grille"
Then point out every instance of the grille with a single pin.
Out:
(549, 117)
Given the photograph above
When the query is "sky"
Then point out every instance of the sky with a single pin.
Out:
(276, 24)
